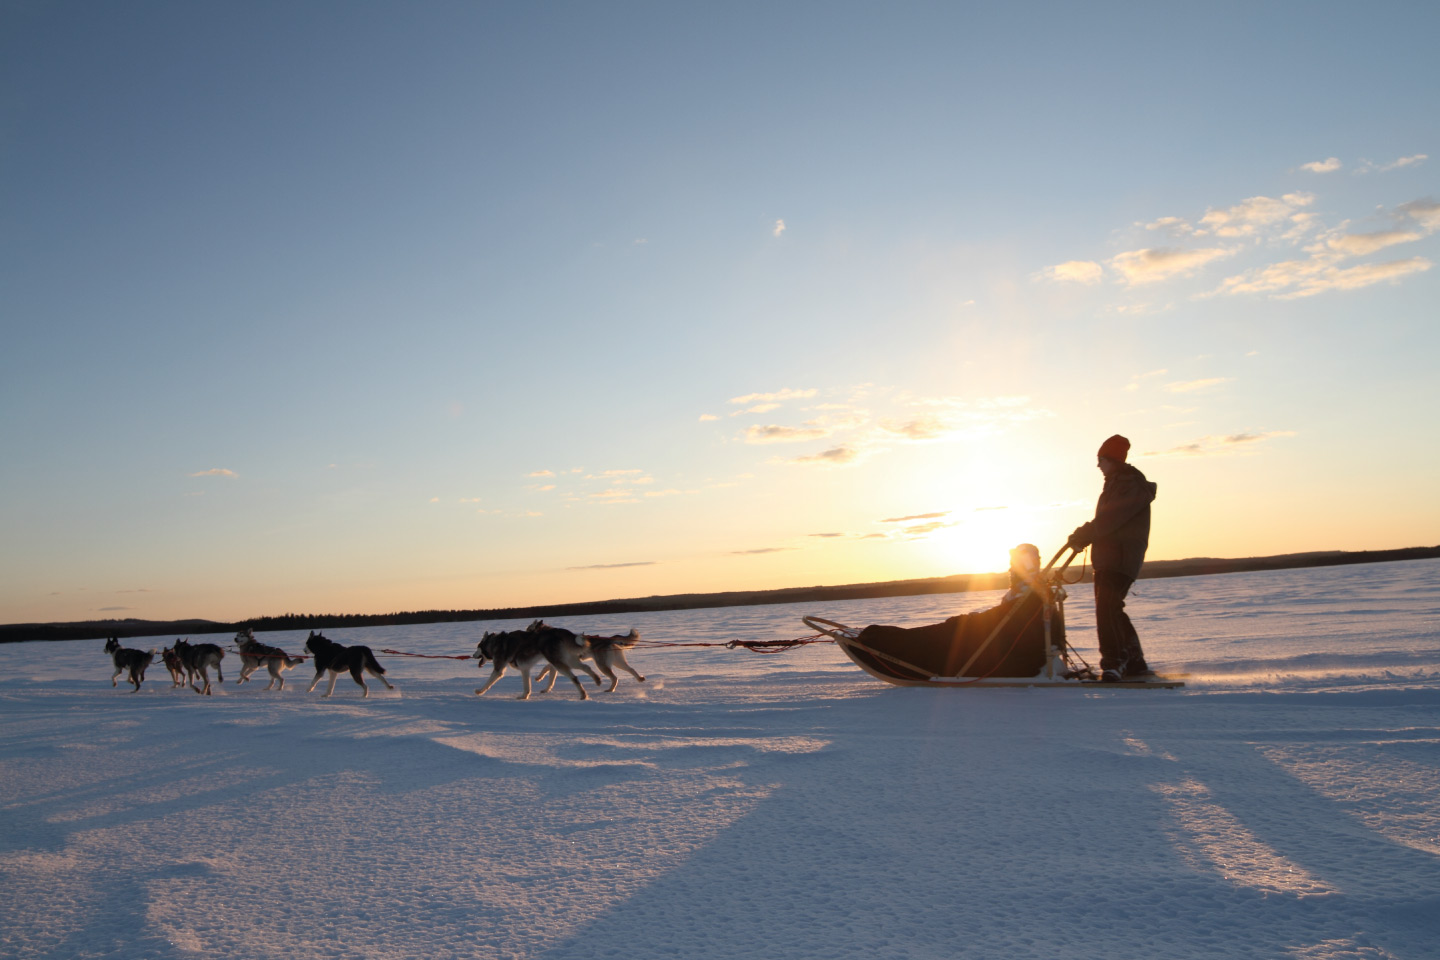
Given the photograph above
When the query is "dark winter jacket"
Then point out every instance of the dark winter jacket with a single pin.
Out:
(1120, 531)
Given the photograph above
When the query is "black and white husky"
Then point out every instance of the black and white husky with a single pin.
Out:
(337, 658)
(254, 655)
(607, 652)
(196, 659)
(135, 661)
(523, 649)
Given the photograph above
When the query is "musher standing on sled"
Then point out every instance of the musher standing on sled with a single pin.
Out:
(1120, 534)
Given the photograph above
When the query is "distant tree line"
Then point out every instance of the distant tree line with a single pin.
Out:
(1195, 566)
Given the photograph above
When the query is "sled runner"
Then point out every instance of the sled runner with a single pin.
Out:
(1018, 643)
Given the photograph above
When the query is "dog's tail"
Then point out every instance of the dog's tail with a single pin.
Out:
(291, 661)
(372, 664)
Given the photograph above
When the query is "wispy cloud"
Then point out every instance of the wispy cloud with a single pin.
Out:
(1086, 272)
(774, 433)
(1209, 446)
(1370, 166)
(835, 456)
(751, 553)
(216, 472)
(1194, 386)
(779, 228)
(917, 516)
(541, 473)
(1322, 166)
(1323, 271)
(777, 397)
(615, 566)
(1249, 217)
(708, 416)
(1154, 264)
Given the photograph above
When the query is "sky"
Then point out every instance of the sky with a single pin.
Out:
(366, 307)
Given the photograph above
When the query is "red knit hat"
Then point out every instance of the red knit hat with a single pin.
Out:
(1115, 448)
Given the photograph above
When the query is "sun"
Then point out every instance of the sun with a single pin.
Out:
(981, 542)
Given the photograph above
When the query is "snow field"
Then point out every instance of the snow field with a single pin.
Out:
(1284, 804)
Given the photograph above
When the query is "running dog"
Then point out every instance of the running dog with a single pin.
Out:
(607, 652)
(135, 661)
(338, 658)
(523, 649)
(171, 659)
(254, 655)
(197, 659)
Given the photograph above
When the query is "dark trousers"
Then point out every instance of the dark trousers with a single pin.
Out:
(1119, 644)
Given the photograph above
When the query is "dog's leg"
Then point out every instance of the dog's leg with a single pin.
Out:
(381, 677)
(334, 675)
(319, 672)
(496, 675)
(118, 671)
(524, 675)
(357, 674)
(550, 672)
(565, 669)
(619, 661)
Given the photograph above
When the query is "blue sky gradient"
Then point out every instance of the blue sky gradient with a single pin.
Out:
(301, 301)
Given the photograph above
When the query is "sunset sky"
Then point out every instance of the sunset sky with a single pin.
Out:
(362, 307)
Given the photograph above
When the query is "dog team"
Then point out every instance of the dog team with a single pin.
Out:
(561, 651)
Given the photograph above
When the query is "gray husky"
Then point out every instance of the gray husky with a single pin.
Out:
(135, 661)
(337, 658)
(607, 652)
(523, 649)
(197, 659)
(254, 655)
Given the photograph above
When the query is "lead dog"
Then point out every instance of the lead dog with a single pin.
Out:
(125, 659)
(338, 658)
(607, 652)
(254, 655)
(523, 649)
(198, 658)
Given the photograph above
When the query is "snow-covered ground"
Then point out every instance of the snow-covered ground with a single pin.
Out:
(1286, 803)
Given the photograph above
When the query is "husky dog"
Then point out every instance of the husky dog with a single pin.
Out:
(338, 658)
(135, 661)
(171, 659)
(254, 655)
(197, 659)
(523, 649)
(607, 652)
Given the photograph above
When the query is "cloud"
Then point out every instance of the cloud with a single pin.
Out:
(708, 416)
(835, 456)
(114, 609)
(1322, 166)
(1370, 166)
(614, 566)
(777, 396)
(1209, 446)
(1174, 226)
(929, 427)
(1360, 244)
(1424, 212)
(434, 499)
(1086, 272)
(544, 488)
(917, 516)
(664, 493)
(1154, 264)
(1248, 217)
(826, 535)
(773, 433)
(541, 473)
(1293, 279)
(216, 472)
(758, 408)
(1191, 386)
(751, 553)
(779, 228)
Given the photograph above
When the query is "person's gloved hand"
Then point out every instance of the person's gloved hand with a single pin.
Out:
(1078, 540)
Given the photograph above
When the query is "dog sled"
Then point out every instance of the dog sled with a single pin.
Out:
(1018, 643)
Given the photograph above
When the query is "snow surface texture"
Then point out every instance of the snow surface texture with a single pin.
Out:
(1286, 803)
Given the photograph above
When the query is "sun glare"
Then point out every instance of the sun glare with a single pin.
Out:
(981, 542)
